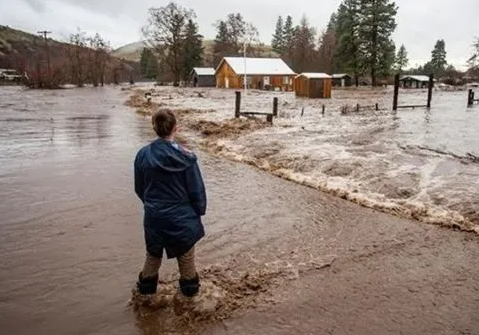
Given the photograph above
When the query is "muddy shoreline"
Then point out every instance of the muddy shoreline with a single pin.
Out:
(240, 140)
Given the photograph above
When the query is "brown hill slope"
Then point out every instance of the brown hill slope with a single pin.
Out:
(132, 51)
(26, 52)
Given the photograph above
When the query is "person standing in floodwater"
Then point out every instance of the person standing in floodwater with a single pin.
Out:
(169, 183)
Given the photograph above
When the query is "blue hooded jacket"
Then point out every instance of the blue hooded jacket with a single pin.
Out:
(169, 183)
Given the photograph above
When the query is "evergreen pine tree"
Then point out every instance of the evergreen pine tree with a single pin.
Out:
(377, 22)
(327, 47)
(192, 49)
(348, 53)
(402, 60)
(148, 64)
(438, 58)
(277, 42)
(288, 38)
(144, 59)
(222, 46)
(303, 51)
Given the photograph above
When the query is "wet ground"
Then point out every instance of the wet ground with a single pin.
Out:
(71, 239)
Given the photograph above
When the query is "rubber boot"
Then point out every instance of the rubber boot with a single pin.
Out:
(147, 285)
(190, 287)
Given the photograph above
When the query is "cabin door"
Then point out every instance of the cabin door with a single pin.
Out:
(227, 83)
(265, 81)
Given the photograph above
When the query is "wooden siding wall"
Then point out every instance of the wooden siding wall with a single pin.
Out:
(313, 88)
(225, 73)
(204, 81)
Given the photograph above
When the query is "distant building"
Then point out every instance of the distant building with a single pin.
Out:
(342, 80)
(203, 77)
(313, 85)
(414, 81)
(261, 73)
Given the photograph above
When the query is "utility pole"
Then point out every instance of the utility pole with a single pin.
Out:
(245, 76)
(45, 33)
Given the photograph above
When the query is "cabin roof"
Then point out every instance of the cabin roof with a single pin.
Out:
(204, 71)
(258, 66)
(314, 75)
(415, 77)
(340, 75)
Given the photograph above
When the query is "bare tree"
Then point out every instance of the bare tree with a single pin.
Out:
(76, 55)
(98, 59)
(164, 33)
(232, 35)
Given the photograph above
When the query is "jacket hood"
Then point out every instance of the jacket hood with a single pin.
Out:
(163, 154)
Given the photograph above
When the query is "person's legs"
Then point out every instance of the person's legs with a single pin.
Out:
(148, 277)
(189, 279)
(151, 266)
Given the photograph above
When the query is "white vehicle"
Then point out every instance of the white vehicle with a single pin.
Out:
(9, 75)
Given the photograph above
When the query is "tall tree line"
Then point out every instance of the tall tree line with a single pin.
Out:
(357, 40)
(296, 44)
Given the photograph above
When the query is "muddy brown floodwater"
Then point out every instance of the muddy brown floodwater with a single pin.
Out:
(288, 259)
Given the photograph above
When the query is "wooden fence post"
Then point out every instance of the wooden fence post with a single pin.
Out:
(269, 118)
(275, 106)
(238, 104)
(429, 90)
(377, 106)
(396, 92)
(324, 109)
(470, 98)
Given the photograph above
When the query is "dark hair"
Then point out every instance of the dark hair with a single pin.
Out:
(164, 121)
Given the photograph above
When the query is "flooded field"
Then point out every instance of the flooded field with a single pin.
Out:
(416, 163)
(279, 258)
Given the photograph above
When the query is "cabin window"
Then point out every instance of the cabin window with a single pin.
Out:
(285, 80)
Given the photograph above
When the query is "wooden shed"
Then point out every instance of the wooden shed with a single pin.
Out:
(342, 80)
(203, 77)
(313, 85)
(414, 81)
(261, 73)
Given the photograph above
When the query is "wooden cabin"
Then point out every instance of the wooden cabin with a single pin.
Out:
(313, 85)
(203, 77)
(342, 80)
(414, 81)
(261, 73)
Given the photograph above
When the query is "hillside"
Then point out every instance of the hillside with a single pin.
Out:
(26, 52)
(132, 51)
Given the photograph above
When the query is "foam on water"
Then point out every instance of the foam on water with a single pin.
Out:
(414, 163)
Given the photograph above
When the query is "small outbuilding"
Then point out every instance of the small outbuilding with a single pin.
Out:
(342, 80)
(414, 81)
(261, 73)
(313, 85)
(203, 77)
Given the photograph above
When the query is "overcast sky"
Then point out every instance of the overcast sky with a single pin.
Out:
(420, 22)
